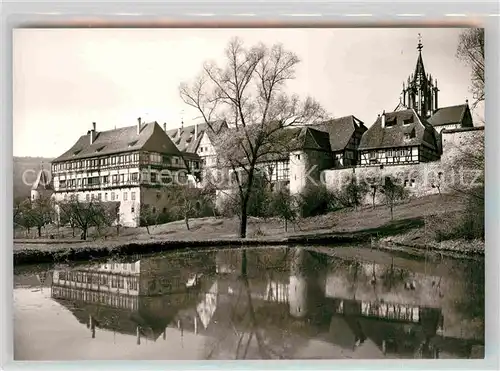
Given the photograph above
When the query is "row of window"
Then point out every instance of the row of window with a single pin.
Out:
(111, 299)
(113, 196)
(391, 153)
(115, 179)
(100, 279)
(124, 159)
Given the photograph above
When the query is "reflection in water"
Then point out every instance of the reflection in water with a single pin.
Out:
(282, 303)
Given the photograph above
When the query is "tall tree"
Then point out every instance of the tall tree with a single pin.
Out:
(471, 51)
(248, 92)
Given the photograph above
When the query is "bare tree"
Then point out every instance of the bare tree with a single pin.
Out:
(84, 215)
(248, 92)
(471, 50)
(186, 202)
(35, 213)
(283, 205)
(393, 193)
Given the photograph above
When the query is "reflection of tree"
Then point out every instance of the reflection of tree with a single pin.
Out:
(251, 326)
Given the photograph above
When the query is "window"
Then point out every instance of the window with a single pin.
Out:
(297, 157)
(408, 121)
(373, 155)
(134, 177)
(164, 210)
(132, 196)
(106, 196)
(112, 196)
(122, 178)
(201, 149)
(125, 196)
(99, 196)
(105, 179)
(153, 177)
(132, 209)
(115, 179)
(390, 122)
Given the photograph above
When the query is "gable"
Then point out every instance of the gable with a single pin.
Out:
(159, 141)
(403, 129)
(340, 131)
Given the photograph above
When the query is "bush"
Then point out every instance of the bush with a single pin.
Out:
(470, 225)
(316, 200)
(352, 194)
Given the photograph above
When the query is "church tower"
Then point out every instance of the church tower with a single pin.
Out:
(420, 92)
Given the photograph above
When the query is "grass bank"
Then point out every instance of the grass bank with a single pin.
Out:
(413, 229)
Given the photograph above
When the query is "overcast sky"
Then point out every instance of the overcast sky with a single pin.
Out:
(65, 79)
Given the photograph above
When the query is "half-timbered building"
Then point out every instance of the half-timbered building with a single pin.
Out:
(397, 138)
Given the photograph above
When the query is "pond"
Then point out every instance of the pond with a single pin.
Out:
(261, 303)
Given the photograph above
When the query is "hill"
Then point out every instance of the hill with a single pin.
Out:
(25, 172)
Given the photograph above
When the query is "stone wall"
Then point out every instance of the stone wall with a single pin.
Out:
(459, 142)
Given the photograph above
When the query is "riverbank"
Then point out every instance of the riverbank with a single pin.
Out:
(407, 233)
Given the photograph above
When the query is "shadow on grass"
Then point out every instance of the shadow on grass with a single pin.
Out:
(392, 228)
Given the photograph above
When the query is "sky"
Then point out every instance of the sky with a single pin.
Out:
(65, 79)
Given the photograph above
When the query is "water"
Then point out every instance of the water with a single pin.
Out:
(274, 303)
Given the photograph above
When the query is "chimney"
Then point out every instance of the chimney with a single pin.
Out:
(165, 127)
(195, 131)
(138, 125)
(383, 119)
(92, 134)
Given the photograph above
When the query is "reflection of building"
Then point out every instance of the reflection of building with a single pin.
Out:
(141, 297)
(222, 307)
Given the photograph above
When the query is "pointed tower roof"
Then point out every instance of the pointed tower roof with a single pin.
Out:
(419, 68)
(42, 181)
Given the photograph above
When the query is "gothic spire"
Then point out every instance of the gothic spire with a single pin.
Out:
(419, 76)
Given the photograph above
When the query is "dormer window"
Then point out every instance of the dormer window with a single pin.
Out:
(131, 144)
(390, 122)
(77, 152)
(99, 149)
(408, 121)
(410, 135)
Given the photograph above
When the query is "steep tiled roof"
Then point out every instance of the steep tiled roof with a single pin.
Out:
(340, 131)
(42, 181)
(394, 136)
(184, 137)
(151, 138)
(313, 139)
(448, 115)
